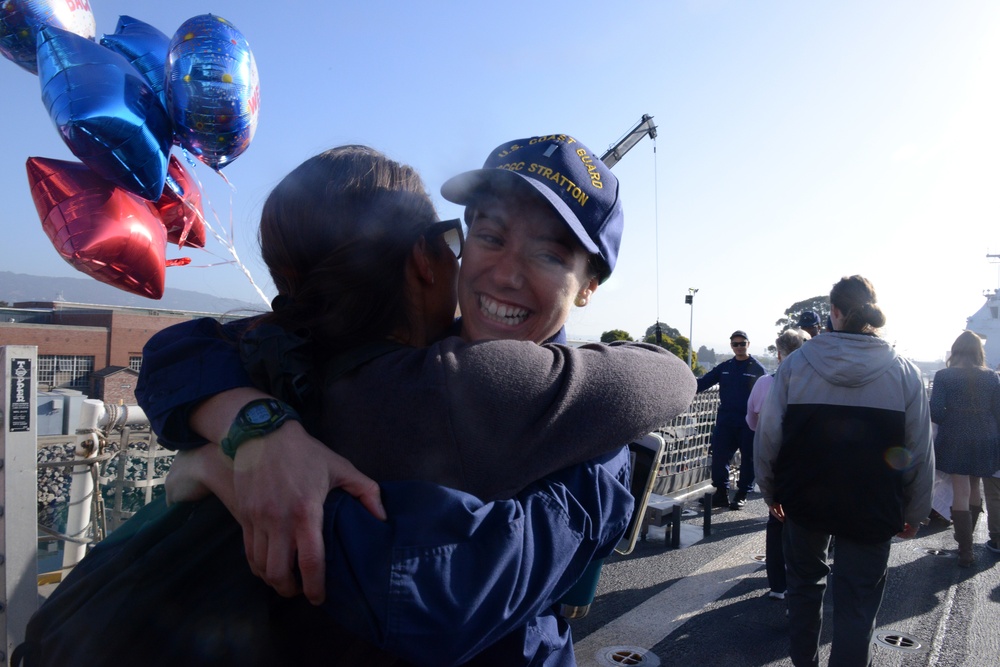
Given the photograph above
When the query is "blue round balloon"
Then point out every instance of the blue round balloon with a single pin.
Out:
(105, 111)
(20, 21)
(145, 47)
(213, 93)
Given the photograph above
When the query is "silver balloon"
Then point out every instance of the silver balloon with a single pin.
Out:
(213, 93)
(20, 21)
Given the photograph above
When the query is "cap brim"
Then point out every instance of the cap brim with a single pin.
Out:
(464, 188)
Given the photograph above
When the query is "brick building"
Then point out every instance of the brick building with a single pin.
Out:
(114, 384)
(76, 340)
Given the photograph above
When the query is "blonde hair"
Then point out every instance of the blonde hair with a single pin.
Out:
(967, 350)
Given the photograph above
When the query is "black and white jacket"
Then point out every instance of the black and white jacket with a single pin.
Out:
(844, 439)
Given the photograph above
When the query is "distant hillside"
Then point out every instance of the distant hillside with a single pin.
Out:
(15, 287)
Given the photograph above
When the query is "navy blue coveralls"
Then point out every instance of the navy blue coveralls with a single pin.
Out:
(731, 433)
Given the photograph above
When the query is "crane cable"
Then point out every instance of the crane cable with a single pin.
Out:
(656, 227)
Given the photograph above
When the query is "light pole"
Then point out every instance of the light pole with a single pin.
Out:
(689, 300)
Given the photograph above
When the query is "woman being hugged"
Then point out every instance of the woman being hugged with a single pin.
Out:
(844, 448)
(358, 345)
(965, 404)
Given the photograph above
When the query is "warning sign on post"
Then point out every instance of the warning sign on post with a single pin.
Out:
(20, 395)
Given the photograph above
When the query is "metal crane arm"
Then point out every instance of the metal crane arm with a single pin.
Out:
(632, 137)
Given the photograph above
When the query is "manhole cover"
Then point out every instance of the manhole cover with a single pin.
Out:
(619, 656)
(898, 641)
(758, 558)
(946, 553)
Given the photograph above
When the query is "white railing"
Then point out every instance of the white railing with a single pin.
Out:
(104, 438)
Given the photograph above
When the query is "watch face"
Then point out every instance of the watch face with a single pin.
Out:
(258, 414)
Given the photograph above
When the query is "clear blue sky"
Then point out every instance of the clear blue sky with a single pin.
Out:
(798, 141)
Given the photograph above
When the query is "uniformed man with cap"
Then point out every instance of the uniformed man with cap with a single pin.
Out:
(809, 322)
(735, 378)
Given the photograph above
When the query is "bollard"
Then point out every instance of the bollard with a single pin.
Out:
(675, 527)
(708, 513)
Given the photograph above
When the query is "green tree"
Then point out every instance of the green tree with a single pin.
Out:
(675, 343)
(615, 334)
(706, 354)
(665, 329)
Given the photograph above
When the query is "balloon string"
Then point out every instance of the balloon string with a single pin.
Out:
(213, 264)
(227, 243)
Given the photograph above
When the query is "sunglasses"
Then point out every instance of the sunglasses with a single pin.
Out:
(452, 233)
(743, 344)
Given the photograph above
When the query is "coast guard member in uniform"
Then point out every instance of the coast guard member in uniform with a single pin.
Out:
(735, 378)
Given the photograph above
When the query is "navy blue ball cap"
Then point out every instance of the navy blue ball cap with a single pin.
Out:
(808, 318)
(739, 334)
(569, 175)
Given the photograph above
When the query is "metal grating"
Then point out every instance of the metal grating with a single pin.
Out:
(898, 641)
(945, 553)
(687, 460)
(620, 656)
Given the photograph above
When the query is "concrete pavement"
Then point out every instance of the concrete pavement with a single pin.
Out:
(706, 604)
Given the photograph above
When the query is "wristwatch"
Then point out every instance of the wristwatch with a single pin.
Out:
(255, 419)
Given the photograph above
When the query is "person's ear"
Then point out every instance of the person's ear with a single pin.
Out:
(420, 256)
(836, 317)
(583, 296)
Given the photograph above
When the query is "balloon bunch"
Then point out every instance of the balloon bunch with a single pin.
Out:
(120, 105)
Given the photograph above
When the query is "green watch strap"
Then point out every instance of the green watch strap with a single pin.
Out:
(255, 419)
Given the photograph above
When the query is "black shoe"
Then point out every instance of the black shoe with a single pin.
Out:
(937, 519)
(739, 500)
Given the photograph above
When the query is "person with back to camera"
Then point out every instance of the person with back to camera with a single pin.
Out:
(965, 404)
(537, 244)
(844, 447)
(735, 377)
(809, 322)
(789, 341)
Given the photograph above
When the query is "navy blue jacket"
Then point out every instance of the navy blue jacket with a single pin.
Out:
(735, 379)
(449, 577)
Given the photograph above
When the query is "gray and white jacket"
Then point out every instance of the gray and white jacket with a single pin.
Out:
(844, 439)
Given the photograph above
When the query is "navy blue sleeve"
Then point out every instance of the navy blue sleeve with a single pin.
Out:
(709, 379)
(183, 365)
(448, 575)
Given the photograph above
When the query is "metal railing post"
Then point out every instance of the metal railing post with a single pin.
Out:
(18, 493)
(95, 417)
(81, 488)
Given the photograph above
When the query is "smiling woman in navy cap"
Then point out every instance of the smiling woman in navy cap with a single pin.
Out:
(545, 225)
